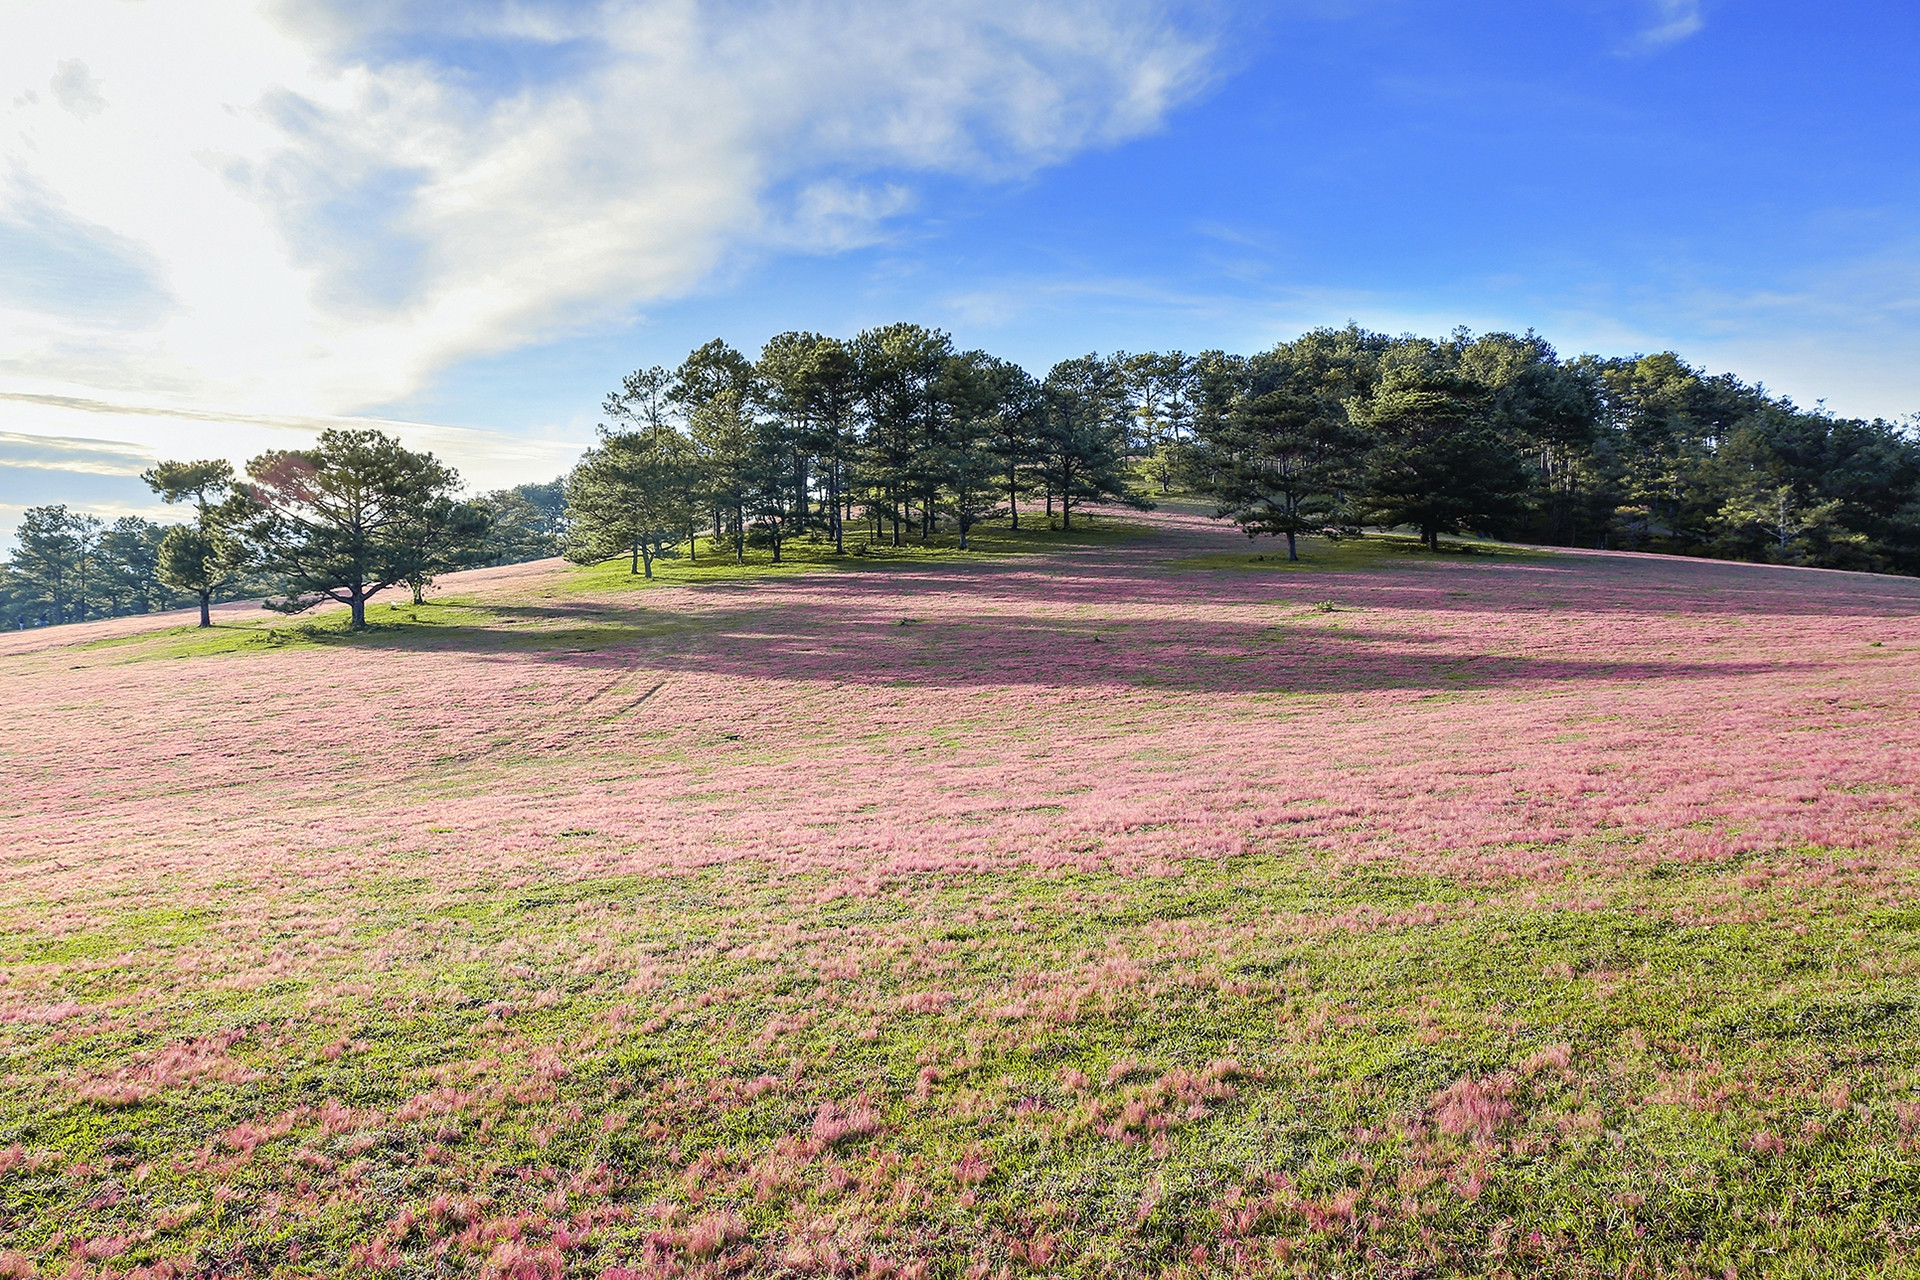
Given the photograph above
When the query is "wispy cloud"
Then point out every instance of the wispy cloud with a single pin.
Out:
(75, 89)
(99, 476)
(323, 204)
(52, 453)
(1671, 21)
(123, 436)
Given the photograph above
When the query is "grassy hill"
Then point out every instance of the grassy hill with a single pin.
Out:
(1123, 902)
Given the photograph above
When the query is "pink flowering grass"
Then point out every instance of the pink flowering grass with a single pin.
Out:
(1122, 904)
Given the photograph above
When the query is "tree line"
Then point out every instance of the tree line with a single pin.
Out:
(1343, 429)
(897, 435)
(894, 435)
(1337, 431)
(353, 516)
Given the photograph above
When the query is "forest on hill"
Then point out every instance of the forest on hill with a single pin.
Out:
(897, 435)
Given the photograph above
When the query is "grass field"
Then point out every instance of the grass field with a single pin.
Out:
(1127, 902)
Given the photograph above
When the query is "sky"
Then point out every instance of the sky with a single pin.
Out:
(225, 226)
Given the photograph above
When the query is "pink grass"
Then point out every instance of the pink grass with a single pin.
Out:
(1539, 728)
(1483, 718)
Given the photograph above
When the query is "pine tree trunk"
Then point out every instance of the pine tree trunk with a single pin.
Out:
(833, 499)
(801, 493)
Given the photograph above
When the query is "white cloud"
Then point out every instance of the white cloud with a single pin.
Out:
(65, 433)
(315, 208)
(87, 457)
(75, 89)
(1672, 22)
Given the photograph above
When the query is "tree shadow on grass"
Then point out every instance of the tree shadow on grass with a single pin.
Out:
(1185, 568)
(988, 650)
(1126, 615)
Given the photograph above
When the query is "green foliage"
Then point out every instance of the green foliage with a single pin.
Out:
(126, 565)
(70, 567)
(1683, 462)
(439, 535)
(49, 567)
(902, 368)
(526, 522)
(1015, 432)
(353, 516)
(731, 481)
(198, 562)
(1781, 516)
(633, 495)
(1084, 438)
(203, 482)
(1437, 462)
(206, 556)
(816, 388)
(978, 391)
(1498, 434)
(895, 426)
(1160, 390)
(1280, 454)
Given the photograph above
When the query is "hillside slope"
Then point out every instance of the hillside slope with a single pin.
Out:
(1119, 902)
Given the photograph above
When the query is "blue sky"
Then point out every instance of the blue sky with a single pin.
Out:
(468, 221)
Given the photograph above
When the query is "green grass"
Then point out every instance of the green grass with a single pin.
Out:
(1373, 551)
(387, 621)
(1345, 1034)
(716, 562)
(567, 612)
(566, 621)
